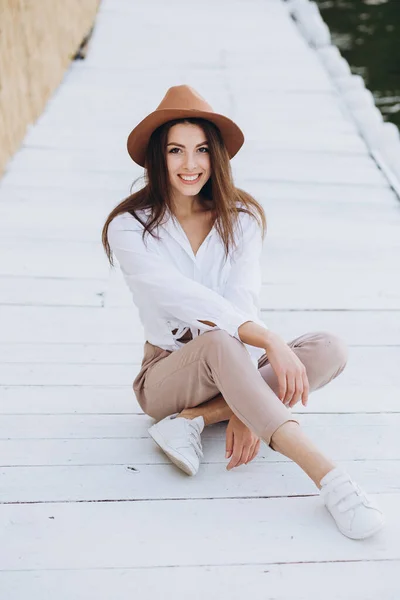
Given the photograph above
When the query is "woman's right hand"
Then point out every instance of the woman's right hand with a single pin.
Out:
(290, 371)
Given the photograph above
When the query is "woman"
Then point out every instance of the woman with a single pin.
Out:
(195, 279)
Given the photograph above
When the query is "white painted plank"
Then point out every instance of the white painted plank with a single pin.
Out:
(311, 287)
(95, 201)
(337, 397)
(375, 579)
(362, 358)
(372, 443)
(313, 223)
(382, 428)
(54, 324)
(280, 269)
(327, 183)
(278, 80)
(314, 196)
(270, 166)
(68, 399)
(379, 363)
(92, 216)
(274, 530)
(159, 482)
(316, 211)
(80, 325)
(85, 103)
(50, 259)
(84, 97)
(75, 180)
(118, 186)
(298, 114)
(319, 168)
(385, 252)
(73, 354)
(284, 138)
(355, 327)
(268, 52)
(42, 291)
(73, 426)
(336, 293)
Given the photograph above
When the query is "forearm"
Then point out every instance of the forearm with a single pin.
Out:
(254, 334)
(251, 333)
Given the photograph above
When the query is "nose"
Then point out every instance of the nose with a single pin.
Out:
(190, 161)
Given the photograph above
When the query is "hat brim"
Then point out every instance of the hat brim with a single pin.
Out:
(139, 137)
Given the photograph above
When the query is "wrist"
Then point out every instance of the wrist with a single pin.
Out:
(255, 334)
(269, 337)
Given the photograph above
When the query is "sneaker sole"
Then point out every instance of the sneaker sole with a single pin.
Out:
(172, 454)
(364, 535)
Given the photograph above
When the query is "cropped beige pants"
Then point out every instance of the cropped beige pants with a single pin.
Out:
(216, 362)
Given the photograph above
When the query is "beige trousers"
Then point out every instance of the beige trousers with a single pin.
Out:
(216, 362)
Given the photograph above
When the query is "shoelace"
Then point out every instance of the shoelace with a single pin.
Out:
(195, 439)
(350, 495)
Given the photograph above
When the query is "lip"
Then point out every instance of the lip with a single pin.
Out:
(190, 182)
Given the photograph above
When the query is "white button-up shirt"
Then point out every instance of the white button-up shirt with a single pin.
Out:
(173, 288)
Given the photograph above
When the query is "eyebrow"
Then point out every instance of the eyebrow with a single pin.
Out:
(182, 146)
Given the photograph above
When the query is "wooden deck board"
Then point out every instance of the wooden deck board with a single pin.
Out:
(89, 506)
(212, 582)
(220, 532)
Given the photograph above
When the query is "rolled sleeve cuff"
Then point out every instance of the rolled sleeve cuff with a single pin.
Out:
(229, 322)
(234, 322)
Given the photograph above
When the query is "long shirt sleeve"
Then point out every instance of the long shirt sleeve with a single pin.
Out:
(243, 287)
(153, 278)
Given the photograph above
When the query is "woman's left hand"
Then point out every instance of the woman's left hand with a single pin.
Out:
(241, 443)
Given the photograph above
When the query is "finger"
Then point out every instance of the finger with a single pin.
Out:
(290, 388)
(306, 389)
(254, 451)
(298, 391)
(236, 454)
(228, 442)
(253, 448)
(282, 385)
(245, 454)
(235, 459)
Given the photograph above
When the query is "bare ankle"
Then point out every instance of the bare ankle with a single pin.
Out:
(187, 414)
(291, 441)
(212, 411)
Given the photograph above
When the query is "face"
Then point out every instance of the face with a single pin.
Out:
(188, 160)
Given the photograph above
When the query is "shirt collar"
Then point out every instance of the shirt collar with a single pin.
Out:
(172, 226)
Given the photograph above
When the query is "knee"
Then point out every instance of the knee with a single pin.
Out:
(221, 343)
(335, 349)
(156, 411)
(218, 338)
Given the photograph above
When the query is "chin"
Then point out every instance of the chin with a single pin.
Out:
(190, 192)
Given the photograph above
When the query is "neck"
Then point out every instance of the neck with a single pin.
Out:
(185, 206)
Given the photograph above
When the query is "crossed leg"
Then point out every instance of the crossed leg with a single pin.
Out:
(325, 356)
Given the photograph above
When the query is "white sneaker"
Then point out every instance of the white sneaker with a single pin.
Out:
(355, 514)
(180, 440)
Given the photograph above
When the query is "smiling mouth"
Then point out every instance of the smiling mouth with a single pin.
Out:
(190, 178)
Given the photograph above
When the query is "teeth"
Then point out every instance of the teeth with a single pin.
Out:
(187, 178)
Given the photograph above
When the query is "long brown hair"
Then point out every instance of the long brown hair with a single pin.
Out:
(218, 194)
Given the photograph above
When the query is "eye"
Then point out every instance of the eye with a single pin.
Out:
(172, 151)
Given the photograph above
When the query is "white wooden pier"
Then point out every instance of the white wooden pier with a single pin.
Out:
(90, 508)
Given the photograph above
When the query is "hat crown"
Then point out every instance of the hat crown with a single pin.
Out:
(181, 102)
(184, 97)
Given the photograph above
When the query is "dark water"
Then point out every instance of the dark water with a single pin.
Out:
(367, 33)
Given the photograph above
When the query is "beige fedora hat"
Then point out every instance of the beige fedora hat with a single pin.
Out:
(181, 101)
